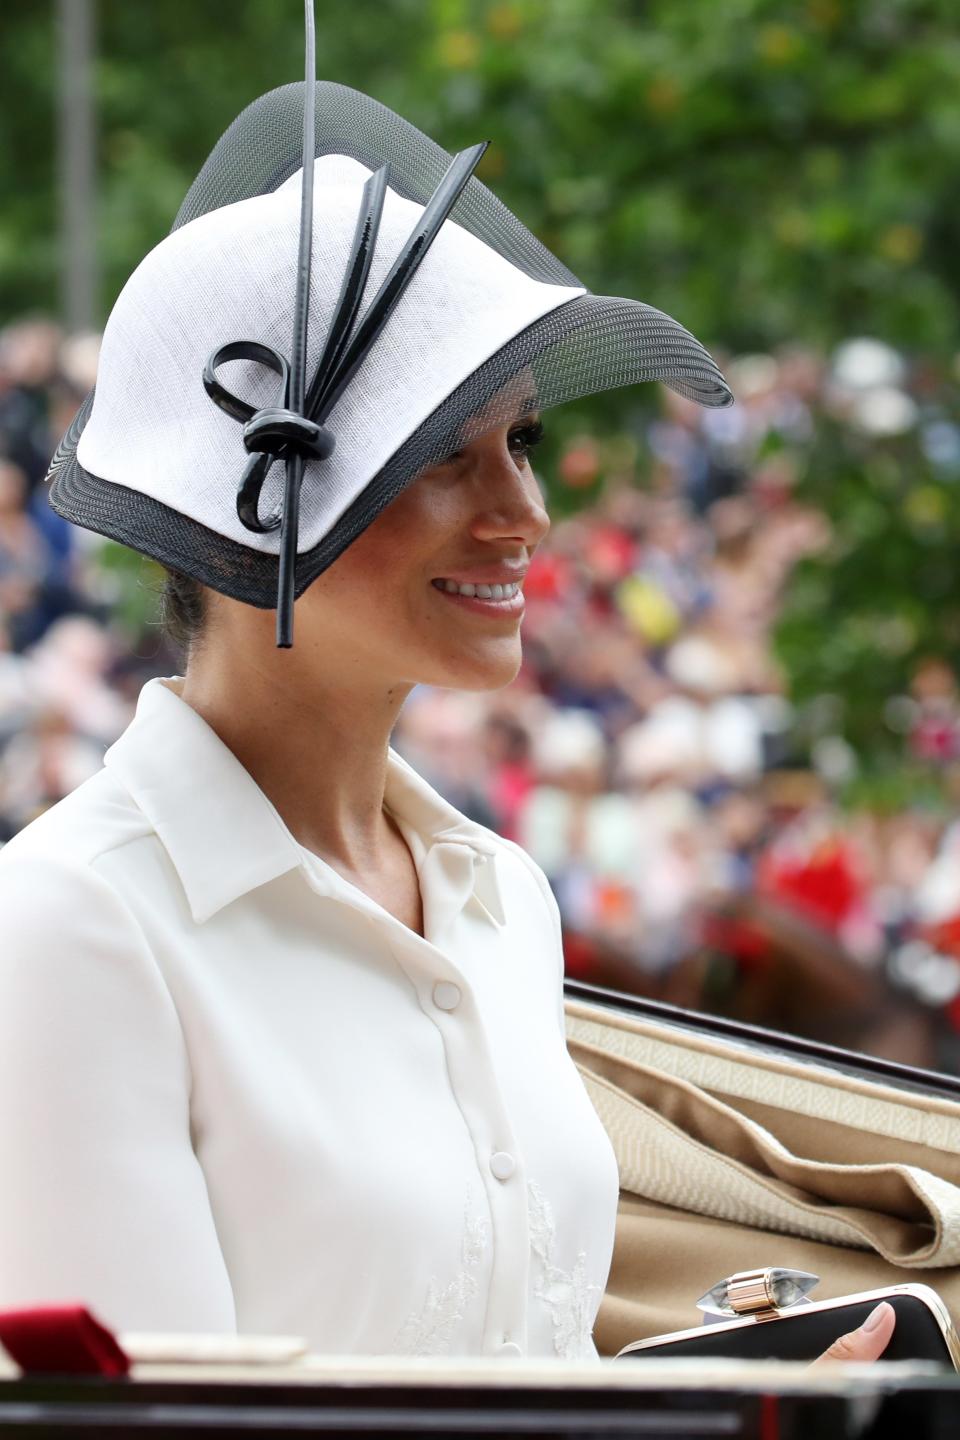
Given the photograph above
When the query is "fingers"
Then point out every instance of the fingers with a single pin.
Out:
(867, 1343)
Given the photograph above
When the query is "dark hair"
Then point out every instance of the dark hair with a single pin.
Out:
(183, 612)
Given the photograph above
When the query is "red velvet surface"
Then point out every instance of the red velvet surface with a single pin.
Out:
(60, 1340)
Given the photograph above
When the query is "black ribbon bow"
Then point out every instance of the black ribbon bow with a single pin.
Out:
(293, 428)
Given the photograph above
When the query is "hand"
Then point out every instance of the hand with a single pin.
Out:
(867, 1343)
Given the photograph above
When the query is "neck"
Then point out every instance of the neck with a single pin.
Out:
(316, 747)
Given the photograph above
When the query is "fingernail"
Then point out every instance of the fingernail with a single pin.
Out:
(875, 1318)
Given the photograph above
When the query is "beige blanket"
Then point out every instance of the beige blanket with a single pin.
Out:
(730, 1159)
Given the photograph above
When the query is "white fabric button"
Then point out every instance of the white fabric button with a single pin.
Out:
(446, 995)
(509, 1349)
(502, 1165)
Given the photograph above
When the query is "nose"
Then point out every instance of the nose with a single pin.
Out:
(509, 502)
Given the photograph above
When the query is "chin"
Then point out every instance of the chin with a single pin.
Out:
(477, 672)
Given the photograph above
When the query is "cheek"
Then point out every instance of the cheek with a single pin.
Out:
(427, 515)
(392, 556)
(360, 579)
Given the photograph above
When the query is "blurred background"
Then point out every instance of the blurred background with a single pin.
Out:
(735, 743)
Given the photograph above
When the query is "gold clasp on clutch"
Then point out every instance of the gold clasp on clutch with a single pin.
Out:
(759, 1294)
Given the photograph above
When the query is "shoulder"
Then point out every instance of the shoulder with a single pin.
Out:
(73, 943)
(52, 869)
(97, 817)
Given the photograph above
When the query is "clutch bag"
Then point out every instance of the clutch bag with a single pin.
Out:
(923, 1331)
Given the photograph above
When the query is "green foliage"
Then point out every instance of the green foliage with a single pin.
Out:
(885, 596)
(766, 170)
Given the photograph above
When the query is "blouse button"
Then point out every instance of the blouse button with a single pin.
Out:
(502, 1165)
(446, 995)
(509, 1349)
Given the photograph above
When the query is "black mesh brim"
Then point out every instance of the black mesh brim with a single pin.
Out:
(590, 344)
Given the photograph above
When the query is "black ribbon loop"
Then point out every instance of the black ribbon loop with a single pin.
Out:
(268, 434)
(253, 350)
(248, 497)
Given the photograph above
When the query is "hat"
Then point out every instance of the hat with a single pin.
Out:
(193, 390)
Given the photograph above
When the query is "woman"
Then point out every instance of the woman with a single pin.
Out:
(281, 1033)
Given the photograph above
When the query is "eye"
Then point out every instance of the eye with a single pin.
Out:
(523, 438)
(520, 441)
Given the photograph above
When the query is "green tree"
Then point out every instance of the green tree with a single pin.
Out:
(767, 171)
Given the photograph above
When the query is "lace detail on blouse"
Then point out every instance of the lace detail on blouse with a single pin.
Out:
(431, 1329)
(568, 1294)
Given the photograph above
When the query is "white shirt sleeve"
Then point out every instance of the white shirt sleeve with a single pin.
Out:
(102, 1199)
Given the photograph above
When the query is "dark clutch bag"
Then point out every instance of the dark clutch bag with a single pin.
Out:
(923, 1331)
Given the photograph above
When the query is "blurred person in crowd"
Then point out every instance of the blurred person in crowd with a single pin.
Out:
(937, 886)
(672, 553)
(25, 559)
(438, 733)
(741, 825)
(592, 670)
(935, 720)
(37, 583)
(815, 866)
(44, 761)
(16, 693)
(29, 378)
(68, 672)
(571, 823)
(509, 763)
(660, 766)
(902, 853)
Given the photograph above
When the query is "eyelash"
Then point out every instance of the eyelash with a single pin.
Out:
(528, 435)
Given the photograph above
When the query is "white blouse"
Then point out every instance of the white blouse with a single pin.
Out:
(237, 1095)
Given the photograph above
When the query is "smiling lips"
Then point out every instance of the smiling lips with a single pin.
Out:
(495, 597)
(480, 592)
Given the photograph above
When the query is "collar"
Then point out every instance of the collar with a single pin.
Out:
(444, 843)
(224, 837)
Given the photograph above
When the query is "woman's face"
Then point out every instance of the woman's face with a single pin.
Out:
(397, 604)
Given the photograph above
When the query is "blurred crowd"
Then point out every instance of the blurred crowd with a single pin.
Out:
(69, 674)
(647, 756)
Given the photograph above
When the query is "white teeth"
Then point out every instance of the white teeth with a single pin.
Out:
(479, 592)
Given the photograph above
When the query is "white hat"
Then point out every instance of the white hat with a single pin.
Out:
(491, 324)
